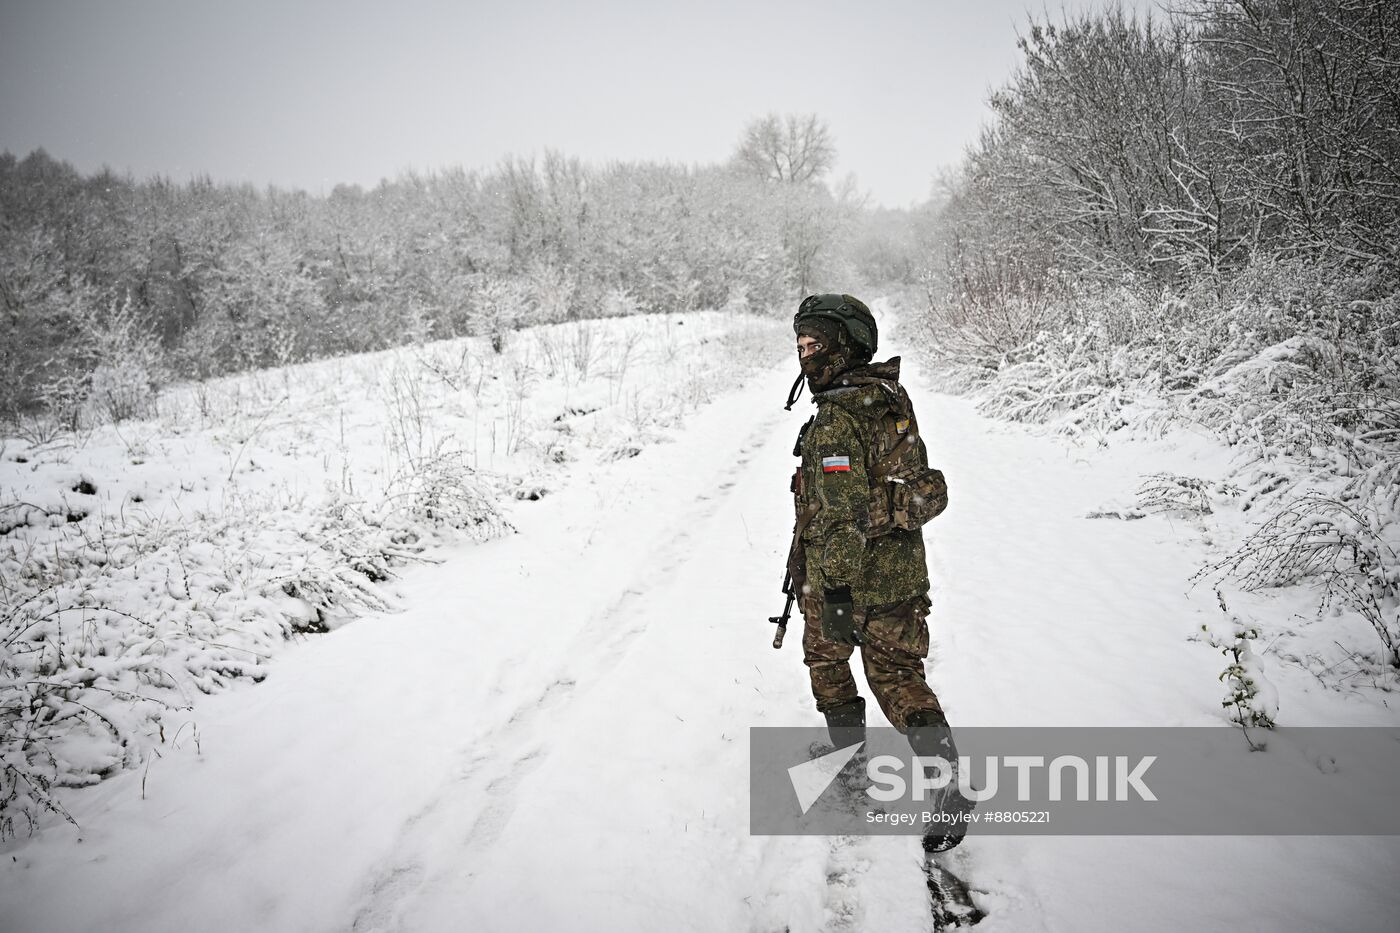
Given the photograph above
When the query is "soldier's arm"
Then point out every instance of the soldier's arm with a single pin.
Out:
(843, 491)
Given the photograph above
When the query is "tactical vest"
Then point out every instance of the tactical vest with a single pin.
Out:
(905, 492)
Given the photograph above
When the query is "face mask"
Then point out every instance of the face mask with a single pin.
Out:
(822, 368)
(813, 363)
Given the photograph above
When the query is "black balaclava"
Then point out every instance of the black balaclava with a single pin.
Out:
(834, 358)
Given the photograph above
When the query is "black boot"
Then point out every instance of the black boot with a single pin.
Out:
(846, 724)
(930, 737)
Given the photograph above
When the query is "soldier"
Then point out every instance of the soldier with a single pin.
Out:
(862, 492)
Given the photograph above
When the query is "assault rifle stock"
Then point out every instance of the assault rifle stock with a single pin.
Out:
(782, 620)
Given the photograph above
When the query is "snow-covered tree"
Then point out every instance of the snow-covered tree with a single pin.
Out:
(792, 148)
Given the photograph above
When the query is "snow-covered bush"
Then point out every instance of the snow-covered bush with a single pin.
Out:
(1250, 697)
(128, 368)
(1184, 495)
(109, 368)
(619, 302)
(549, 293)
(1349, 551)
(987, 310)
(441, 491)
(497, 306)
(63, 402)
(121, 392)
(110, 631)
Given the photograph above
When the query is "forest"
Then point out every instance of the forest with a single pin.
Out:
(113, 287)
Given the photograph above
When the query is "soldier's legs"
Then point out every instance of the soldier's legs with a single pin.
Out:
(828, 663)
(895, 645)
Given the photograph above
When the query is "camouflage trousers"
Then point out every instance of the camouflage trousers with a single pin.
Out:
(894, 643)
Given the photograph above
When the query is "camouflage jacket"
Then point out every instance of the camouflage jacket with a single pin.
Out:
(832, 494)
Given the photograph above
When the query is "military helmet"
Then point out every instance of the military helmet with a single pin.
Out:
(846, 311)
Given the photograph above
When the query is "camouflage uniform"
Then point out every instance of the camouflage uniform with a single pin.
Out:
(886, 572)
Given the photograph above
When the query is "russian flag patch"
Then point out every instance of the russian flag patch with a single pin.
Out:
(836, 464)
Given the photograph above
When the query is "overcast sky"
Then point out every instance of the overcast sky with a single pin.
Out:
(308, 94)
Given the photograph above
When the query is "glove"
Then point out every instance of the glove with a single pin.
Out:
(839, 616)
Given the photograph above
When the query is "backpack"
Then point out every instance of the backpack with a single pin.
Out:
(905, 492)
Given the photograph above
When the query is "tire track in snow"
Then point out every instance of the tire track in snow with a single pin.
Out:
(474, 809)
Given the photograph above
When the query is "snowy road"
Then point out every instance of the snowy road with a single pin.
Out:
(553, 734)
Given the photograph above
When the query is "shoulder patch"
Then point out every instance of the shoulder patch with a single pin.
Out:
(836, 464)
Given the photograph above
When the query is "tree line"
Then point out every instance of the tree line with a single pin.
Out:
(1158, 154)
(108, 283)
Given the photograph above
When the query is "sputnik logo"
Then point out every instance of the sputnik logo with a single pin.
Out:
(811, 778)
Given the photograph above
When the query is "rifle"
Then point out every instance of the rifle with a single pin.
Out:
(790, 586)
(795, 548)
(782, 620)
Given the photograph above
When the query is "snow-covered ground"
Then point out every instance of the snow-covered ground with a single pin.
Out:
(550, 733)
(146, 563)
